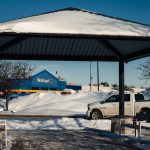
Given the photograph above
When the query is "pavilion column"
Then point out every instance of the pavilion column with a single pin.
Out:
(121, 88)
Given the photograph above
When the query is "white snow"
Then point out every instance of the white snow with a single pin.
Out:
(57, 104)
(58, 123)
(52, 103)
(75, 22)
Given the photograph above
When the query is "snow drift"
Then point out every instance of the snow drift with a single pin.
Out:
(52, 103)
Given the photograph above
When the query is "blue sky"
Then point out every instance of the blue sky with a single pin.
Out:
(78, 72)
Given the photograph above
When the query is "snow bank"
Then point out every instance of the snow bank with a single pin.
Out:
(52, 103)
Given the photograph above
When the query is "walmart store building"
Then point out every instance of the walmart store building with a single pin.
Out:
(41, 81)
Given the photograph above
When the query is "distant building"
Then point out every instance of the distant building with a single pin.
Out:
(74, 87)
(41, 81)
(95, 88)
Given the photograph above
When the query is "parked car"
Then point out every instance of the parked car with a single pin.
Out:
(134, 103)
(67, 92)
(12, 96)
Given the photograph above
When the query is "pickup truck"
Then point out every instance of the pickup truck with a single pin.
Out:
(134, 104)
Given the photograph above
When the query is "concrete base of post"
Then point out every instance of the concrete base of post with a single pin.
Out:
(116, 127)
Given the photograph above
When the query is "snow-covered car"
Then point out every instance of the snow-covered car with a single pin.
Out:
(134, 104)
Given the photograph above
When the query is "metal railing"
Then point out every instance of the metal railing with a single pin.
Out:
(3, 134)
(138, 126)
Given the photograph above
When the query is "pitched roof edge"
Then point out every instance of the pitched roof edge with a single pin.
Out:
(33, 76)
(78, 9)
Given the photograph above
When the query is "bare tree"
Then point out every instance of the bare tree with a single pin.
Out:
(11, 71)
(104, 84)
(145, 70)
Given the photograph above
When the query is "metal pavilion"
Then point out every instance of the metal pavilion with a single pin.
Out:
(75, 35)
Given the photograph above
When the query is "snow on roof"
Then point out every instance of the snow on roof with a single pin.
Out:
(75, 21)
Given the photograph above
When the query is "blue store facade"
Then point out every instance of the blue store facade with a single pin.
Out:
(41, 81)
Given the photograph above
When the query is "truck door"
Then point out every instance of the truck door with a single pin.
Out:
(111, 106)
(128, 107)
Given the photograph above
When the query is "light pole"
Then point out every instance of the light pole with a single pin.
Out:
(97, 76)
(90, 77)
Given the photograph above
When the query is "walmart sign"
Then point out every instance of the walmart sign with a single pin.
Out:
(41, 80)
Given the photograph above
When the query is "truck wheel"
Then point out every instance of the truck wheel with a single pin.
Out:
(144, 114)
(96, 114)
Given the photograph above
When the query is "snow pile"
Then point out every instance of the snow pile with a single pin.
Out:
(57, 104)
(52, 103)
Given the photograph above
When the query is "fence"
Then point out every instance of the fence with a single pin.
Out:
(3, 135)
(138, 126)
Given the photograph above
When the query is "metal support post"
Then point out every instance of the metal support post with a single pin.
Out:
(7, 100)
(139, 132)
(135, 126)
(120, 124)
(121, 88)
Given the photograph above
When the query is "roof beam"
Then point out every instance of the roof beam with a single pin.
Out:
(11, 43)
(81, 36)
(136, 55)
(117, 54)
(55, 58)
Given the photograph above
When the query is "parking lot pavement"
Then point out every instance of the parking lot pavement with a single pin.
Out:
(67, 140)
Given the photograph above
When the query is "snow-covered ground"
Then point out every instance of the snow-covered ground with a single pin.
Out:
(56, 104)
(58, 124)
(52, 103)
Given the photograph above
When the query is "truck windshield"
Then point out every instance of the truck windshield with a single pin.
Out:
(113, 98)
(139, 97)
